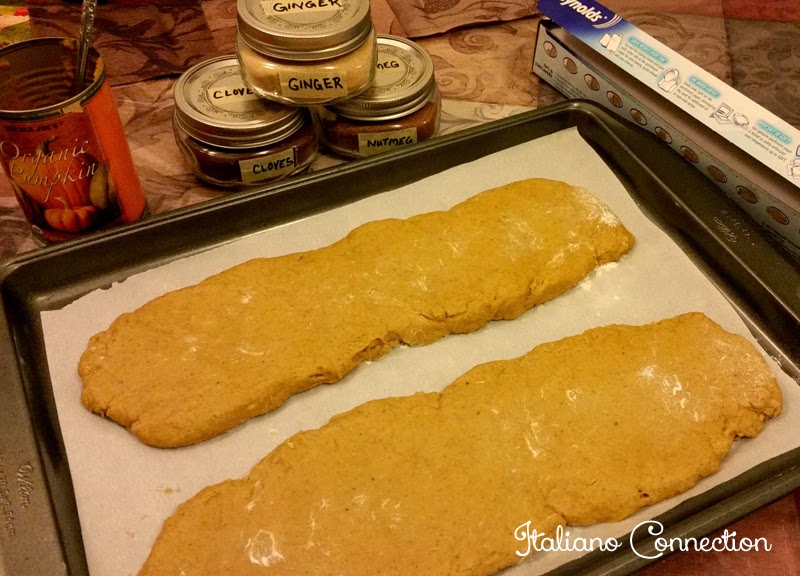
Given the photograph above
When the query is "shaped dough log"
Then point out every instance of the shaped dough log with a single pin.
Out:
(584, 430)
(196, 362)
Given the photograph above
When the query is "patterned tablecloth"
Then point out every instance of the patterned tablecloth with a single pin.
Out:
(482, 53)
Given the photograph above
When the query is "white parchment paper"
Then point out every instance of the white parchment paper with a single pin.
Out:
(125, 490)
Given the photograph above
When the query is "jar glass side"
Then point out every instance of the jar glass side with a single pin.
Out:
(248, 167)
(308, 82)
(366, 137)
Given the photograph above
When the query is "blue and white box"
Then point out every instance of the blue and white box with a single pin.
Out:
(587, 51)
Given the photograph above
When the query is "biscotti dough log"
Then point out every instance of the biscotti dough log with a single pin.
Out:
(584, 430)
(196, 362)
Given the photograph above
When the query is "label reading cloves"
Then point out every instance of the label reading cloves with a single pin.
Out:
(268, 167)
(231, 95)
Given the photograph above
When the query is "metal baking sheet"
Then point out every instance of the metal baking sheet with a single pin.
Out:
(755, 275)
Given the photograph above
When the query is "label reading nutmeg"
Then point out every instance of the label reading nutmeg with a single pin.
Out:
(268, 167)
(377, 142)
(314, 85)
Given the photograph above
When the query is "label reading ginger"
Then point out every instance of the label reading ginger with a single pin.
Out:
(286, 7)
(316, 85)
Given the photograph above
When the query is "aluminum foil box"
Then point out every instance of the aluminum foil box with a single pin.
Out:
(586, 51)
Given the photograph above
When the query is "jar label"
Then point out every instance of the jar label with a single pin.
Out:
(376, 142)
(314, 84)
(268, 167)
(230, 94)
(289, 7)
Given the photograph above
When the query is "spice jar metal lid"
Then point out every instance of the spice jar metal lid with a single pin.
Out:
(404, 82)
(304, 29)
(213, 105)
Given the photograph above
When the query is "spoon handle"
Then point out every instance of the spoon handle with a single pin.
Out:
(84, 42)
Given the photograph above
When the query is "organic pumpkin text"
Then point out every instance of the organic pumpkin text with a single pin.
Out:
(36, 168)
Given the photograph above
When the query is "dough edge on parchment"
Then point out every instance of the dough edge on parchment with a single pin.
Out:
(196, 362)
(580, 431)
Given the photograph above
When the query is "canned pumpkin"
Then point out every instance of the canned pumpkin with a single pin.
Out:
(65, 154)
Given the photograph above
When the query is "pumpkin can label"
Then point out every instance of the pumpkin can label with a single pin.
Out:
(72, 173)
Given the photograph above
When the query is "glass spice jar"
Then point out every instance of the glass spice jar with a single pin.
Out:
(306, 52)
(233, 138)
(401, 107)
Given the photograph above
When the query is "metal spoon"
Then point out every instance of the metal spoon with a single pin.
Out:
(84, 41)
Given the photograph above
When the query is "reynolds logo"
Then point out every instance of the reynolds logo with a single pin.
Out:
(592, 14)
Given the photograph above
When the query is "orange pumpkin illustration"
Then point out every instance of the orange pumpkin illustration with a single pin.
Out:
(69, 219)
